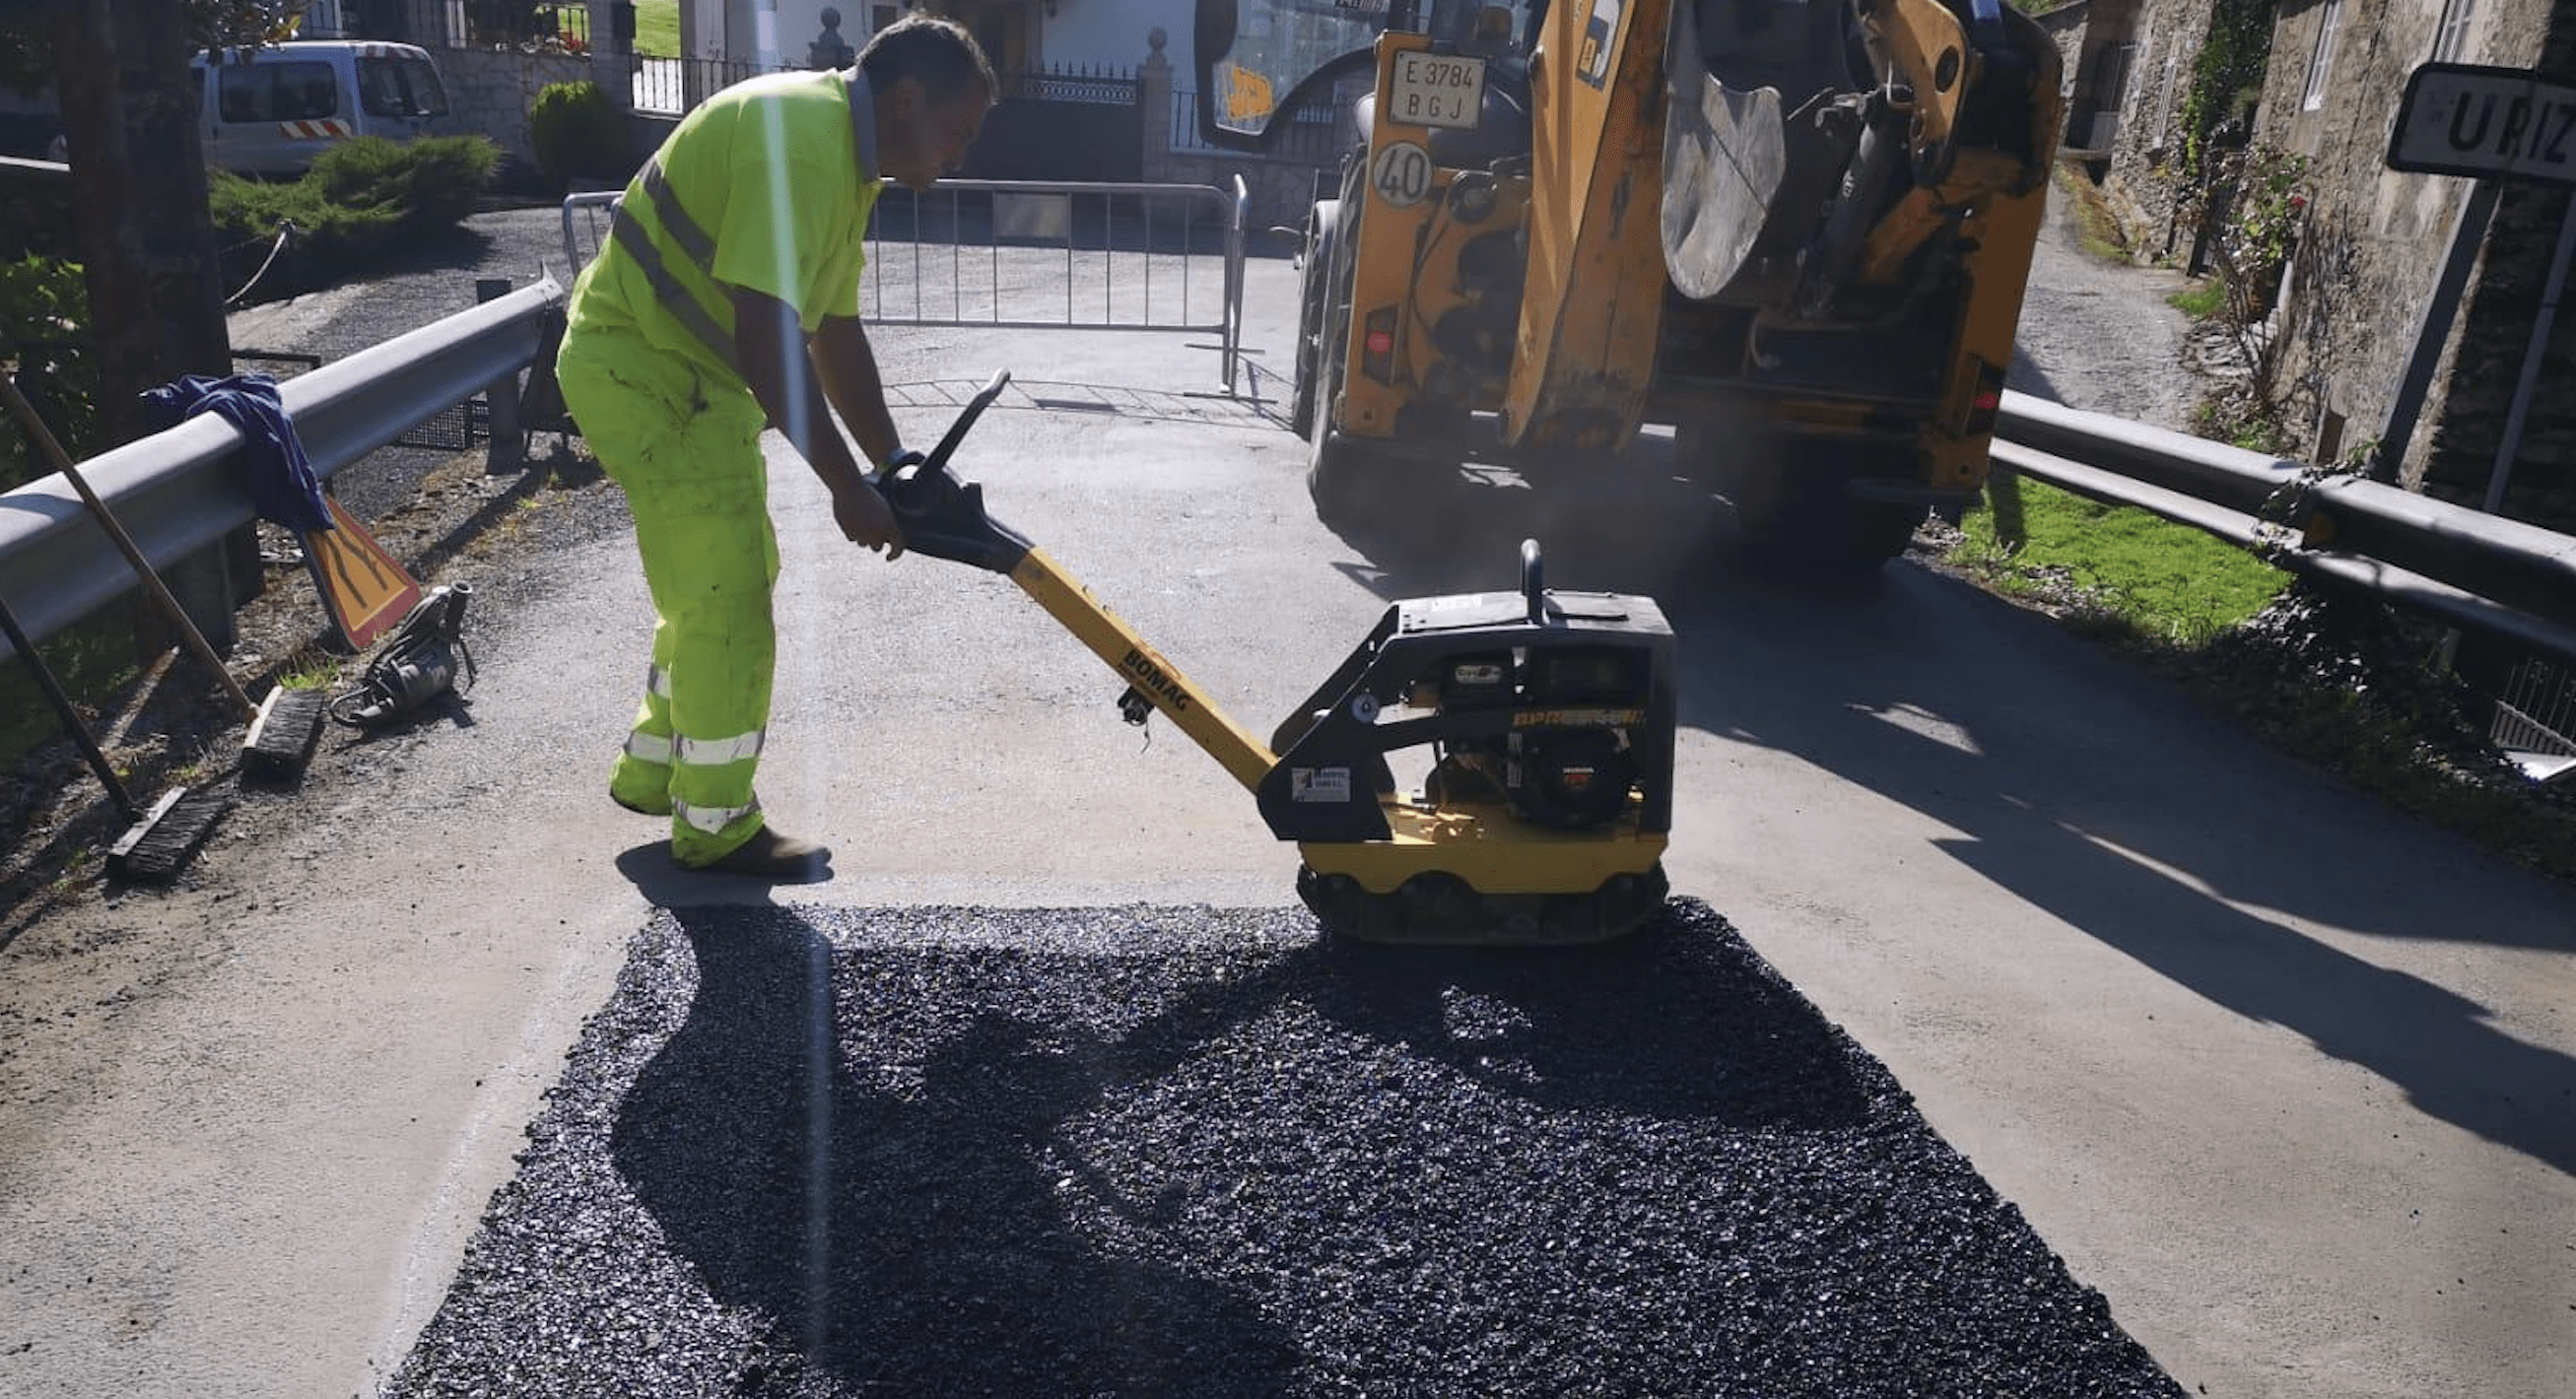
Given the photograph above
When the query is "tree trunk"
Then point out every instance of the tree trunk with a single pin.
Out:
(139, 189)
(147, 245)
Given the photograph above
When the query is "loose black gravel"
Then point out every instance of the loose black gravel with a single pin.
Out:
(1185, 1151)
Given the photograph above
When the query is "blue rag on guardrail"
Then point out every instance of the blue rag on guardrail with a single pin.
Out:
(282, 483)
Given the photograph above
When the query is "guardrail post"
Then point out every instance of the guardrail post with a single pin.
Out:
(1234, 280)
(509, 449)
(203, 584)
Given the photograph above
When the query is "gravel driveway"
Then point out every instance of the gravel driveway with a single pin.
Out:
(436, 280)
(2101, 337)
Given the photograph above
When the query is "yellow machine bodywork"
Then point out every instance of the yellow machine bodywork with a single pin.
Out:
(1481, 845)
(1585, 354)
(1803, 242)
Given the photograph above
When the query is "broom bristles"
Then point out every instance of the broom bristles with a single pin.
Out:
(281, 738)
(157, 847)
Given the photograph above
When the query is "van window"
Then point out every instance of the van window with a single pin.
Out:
(293, 91)
(400, 87)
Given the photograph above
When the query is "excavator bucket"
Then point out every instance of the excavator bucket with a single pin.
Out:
(1724, 158)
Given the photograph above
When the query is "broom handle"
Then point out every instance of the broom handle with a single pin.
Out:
(152, 583)
(63, 706)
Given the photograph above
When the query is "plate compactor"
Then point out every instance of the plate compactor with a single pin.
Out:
(1549, 716)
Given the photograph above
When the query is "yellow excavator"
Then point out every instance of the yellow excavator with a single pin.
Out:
(1795, 231)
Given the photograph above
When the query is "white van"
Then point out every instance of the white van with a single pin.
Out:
(273, 110)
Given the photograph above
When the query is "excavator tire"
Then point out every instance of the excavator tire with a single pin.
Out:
(1311, 302)
(1791, 506)
(1350, 484)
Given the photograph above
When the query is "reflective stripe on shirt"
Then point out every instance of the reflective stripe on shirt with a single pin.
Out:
(692, 240)
(675, 298)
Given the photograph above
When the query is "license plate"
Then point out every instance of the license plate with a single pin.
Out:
(1435, 89)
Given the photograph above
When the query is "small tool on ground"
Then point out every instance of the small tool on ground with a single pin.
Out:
(425, 658)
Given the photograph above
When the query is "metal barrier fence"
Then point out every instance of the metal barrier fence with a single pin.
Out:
(2478, 573)
(1034, 254)
(671, 86)
(1311, 136)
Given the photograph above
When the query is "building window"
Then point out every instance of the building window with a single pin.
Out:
(2452, 38)
(2164, 109)
(2321, 62)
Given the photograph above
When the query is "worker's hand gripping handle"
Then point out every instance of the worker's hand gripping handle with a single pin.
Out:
(942, 516)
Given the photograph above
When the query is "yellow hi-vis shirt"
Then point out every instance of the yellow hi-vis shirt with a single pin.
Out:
(767, 185)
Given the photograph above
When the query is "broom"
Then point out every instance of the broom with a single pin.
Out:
(284, 729)
(158, 843)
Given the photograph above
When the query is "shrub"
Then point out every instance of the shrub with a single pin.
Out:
(44, 319)
(577, 131)
(430, 183)
(363, 201)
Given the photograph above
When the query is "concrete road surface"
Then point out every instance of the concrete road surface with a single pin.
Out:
(2286, 1076)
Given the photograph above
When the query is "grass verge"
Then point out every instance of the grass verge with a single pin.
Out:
(2202, 300)
(2342, 682)
(2097, 230)
(2111, 564)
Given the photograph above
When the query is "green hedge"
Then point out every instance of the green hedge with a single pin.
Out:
(44, 318)
(578, 131)
(360, 203)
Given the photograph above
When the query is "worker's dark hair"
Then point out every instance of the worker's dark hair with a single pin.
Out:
(935, 52)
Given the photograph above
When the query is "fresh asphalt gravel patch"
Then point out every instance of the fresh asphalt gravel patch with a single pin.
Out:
(967, 1151)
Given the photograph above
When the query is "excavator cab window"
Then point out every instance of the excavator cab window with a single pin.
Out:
(1258, 60)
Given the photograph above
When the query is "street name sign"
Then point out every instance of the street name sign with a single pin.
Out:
(2469, 119)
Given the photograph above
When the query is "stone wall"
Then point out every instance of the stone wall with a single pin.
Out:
(2459, 451)
(2372, 241)
(2140, 177)
(2373, 248)
(2065, 26)
(492, 92)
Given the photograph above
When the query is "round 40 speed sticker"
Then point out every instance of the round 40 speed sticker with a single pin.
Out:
(1401, 173)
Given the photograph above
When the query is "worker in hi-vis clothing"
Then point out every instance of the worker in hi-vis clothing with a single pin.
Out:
(725, 299)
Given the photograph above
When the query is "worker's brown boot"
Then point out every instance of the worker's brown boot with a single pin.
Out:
(769, 855)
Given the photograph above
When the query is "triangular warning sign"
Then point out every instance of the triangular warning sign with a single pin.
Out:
(365, 589)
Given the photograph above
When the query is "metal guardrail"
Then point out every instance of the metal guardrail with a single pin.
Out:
(2476, 571)
(1037, 254)
(169, 491)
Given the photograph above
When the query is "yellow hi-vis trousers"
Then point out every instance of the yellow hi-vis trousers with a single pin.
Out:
(688, 458)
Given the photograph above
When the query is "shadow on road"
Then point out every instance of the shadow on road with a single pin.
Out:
(2082, 786)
